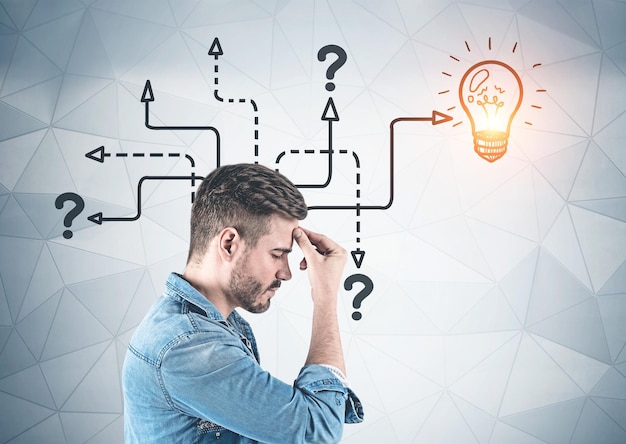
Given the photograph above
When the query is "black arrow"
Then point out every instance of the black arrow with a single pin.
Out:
(148, 96)
(216, 49)
(330, 112)
(98, 154)
(435, 118)
(98, 218)
(329, 115)
(357, 256)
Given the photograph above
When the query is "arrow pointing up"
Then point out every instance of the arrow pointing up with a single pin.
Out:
(147, 95)
(216, 49)
(330, 112)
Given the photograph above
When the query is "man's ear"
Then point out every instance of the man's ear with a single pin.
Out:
(229, 243)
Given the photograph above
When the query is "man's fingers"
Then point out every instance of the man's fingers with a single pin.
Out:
(313, 244)
(307, 244)
(322, 244)
(323, 260)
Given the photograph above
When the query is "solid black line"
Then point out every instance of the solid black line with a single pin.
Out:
(186, 128)
(391, 171)
(330, 161)
(139, 184)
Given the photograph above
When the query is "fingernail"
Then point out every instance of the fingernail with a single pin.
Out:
(297, 233)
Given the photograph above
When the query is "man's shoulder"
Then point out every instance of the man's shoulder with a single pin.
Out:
(169, 322)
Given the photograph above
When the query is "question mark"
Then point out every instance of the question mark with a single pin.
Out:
(334, 67)
(368, 287)
(69, 217)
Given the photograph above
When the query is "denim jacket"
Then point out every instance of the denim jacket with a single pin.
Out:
(191, 376)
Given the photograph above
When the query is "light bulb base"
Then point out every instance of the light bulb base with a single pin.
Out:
(490, 145)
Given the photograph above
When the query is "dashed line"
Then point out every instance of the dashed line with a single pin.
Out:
(357, 180)
(141, 155)
(308, 151)
(255, 109)
(358, 198)
(155, 154)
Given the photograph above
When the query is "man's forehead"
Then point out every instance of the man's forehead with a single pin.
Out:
(280, 236)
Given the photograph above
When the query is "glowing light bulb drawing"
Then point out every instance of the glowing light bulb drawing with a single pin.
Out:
(491, 93)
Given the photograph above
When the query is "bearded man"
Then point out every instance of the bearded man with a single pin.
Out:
(192, 372)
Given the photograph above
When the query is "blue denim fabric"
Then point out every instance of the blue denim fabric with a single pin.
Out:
(191, 376)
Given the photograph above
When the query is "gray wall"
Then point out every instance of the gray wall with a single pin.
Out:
(498, 308)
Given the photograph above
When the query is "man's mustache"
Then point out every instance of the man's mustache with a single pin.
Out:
(275, 285)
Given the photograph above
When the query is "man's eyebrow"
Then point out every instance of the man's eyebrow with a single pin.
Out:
(282, 250)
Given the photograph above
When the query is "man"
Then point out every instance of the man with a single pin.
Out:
(191, 373)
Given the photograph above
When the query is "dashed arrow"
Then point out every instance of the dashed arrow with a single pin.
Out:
(100, 153)
(357, 256)
(216, 49)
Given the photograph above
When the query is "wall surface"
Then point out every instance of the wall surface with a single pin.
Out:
(493, 288)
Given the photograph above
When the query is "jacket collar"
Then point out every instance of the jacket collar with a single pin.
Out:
(177, 286)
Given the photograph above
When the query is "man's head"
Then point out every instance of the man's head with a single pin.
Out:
(245, 197)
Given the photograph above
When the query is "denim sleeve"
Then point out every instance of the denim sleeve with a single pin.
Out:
(211, 376)
(309, 381)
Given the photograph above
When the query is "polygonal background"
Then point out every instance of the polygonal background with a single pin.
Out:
(498, 313)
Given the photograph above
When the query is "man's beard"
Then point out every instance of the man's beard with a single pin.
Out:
(244, 290)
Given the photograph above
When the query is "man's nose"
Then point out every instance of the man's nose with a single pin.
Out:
(284, 274)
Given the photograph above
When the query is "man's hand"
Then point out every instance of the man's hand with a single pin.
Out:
(324, 261)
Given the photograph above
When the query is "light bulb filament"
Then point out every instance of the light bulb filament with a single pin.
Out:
(491, 112)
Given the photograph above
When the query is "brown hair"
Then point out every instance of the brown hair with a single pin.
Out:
(243, 196)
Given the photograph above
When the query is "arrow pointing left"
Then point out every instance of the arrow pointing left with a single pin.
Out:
(98, 154)
(98, 218)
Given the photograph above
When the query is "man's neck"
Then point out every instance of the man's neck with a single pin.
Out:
(198, 279)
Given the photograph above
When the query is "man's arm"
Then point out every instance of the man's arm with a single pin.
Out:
(212, 376)
(324, 261)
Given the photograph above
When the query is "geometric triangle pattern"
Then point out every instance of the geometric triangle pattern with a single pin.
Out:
(498, 308)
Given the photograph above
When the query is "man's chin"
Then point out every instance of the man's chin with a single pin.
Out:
(258, 308)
